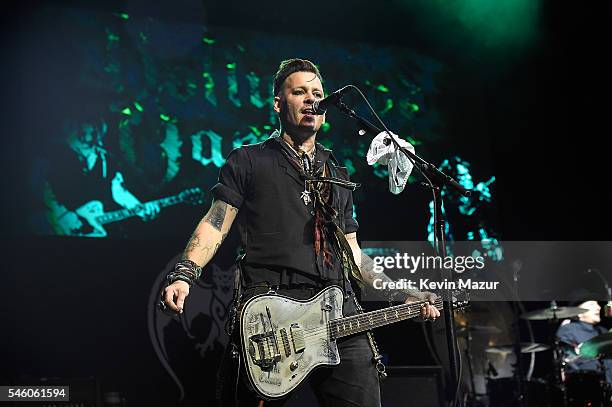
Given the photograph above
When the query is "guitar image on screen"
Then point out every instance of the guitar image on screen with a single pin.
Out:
(95, 217)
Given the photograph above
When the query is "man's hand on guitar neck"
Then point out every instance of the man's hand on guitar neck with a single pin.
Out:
(148, 211)
(365, 264)
(428, 311)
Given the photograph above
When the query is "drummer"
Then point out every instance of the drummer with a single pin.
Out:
(579, 330)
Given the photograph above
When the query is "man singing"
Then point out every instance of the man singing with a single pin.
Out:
(298, 236)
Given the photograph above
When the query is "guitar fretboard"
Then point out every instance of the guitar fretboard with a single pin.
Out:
(369, 320)
(121, 214)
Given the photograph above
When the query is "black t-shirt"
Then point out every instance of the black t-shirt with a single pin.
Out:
(277, 228)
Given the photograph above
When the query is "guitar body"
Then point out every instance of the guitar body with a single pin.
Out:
(284, 339)
(91, 211)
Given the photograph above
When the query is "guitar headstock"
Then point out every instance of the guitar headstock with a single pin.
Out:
(194, 196)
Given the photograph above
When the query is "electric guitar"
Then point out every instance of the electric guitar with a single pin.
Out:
(94, 215)
(284, 339)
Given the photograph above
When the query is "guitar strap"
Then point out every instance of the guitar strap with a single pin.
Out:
(380, 366)
(230, 326)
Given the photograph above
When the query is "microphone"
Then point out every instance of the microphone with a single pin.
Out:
(320, 106)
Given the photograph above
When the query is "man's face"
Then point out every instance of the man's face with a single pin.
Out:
(592, 316)
(294, 104)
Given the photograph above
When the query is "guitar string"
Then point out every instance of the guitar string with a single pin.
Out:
(413, 310)
(308, 339)
(378, 315)
(371, 322)
(375, 319)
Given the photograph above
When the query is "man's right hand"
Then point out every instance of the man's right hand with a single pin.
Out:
(175, 294)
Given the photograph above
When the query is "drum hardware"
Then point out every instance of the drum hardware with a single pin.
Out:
(564, 387)
(483, 329)
(466, 331)
(597, 347)
(525, 347)
(574, 388)
(586, 388)
(554, 313)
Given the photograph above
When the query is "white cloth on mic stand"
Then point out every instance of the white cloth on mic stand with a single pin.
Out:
(398, 164)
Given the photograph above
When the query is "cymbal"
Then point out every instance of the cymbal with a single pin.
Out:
(553, 313)
(484, 329)
(526, 347)
(600, 345)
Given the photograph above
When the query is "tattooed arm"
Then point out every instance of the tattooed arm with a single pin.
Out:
(202, 246)
(210, 233)
(366, 267)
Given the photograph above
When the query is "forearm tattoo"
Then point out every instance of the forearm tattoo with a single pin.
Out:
(193, 243)
(369, 275)
(208, 250)
(217, 215)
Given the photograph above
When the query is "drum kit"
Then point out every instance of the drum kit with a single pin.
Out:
(564, 386)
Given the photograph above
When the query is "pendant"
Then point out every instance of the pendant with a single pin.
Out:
(305, 197)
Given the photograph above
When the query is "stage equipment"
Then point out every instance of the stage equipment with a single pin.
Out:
(435, 181)
(525, 347)
(321, 106)
(553, 312)
(608, 306)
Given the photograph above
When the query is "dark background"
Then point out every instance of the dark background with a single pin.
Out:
(74, 307)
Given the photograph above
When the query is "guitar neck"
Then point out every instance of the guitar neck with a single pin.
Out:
(374, 319)
(121, 214)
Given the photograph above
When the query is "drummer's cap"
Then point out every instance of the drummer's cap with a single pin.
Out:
(580, 295)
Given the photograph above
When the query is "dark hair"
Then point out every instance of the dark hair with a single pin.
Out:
(289, 66)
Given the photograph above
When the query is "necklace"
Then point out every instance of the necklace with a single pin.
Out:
(310, 153)
(307, 160)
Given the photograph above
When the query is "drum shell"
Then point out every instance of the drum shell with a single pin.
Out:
(585, 388)
(504, 392)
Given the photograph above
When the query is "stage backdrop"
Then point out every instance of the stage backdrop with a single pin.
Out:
(116, 111)
(131, 110)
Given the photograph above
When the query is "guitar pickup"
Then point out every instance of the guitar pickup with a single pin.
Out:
(297, 337)
(285, 340)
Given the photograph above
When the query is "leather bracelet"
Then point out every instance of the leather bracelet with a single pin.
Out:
(189, 265)
(172, 277)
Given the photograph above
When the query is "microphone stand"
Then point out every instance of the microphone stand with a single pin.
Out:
(436, 179)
